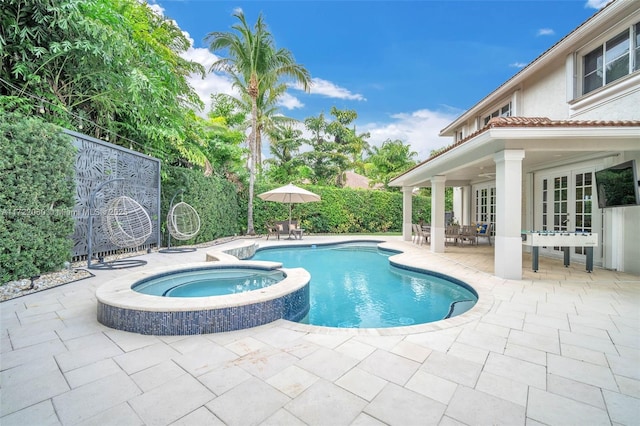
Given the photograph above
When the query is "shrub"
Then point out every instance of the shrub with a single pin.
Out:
(36, 197)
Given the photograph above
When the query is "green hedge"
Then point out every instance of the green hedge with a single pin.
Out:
(36, 197)
(214, 199)
(342, 210)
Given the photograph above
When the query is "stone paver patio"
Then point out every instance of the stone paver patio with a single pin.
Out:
(560, 347)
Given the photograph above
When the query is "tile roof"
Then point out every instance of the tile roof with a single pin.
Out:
(528, 122)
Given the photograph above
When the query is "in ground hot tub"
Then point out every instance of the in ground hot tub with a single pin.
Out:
(123, 308)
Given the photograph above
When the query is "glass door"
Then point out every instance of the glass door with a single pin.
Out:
(566, 204)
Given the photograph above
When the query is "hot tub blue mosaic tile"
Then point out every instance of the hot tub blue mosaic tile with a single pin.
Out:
(293, 307)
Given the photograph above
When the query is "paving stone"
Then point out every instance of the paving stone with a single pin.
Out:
(580, 392)
(582, 354)
(23, 373)
(292, 381)
(355, 349)
(37, 389)
(588, 342)
(470, 353)
(625, 366)
(516, 369)
(452, 368)
(364, 419)
(324, 403)
(361, 383)
(145, 357)
(246, 346)
(199, 417)
(89, 373)
(503, 388)
(32, 354)
(432, 386)
(130, 341)
(389, 366)
(526, 354)
(582, 372)
(438, 340)
(165, 404)
(282, 418)
(119, 415)
(266, 362)
(40, 414)
(222, 379)
(553, 409)
(73, 406)
(157, 375)
(399, 406)
(622, 409)
(251, 402)
(487, 341)
(205, 359)
(535, 341)
(87, 350)
(327, 364)
(411, 351)
(478, 408)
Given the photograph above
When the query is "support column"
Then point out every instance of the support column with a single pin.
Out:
(508, 240)
(437, 214)
(407, 212)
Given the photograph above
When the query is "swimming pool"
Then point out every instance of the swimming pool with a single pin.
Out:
(356, 286)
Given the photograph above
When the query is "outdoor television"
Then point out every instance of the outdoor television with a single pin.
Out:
(618, 185)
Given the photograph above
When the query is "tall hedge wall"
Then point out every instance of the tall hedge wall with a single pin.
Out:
(342, 210)
(36, 197)
(214, 199)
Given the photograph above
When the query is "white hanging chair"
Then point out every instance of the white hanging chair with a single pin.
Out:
(183, 221)
(127, 223)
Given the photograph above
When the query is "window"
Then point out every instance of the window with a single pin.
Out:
(617, 57)
(505, 111)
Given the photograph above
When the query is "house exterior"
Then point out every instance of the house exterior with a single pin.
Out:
(525, 156)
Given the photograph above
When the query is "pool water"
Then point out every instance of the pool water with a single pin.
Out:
(355, 286)
(208, 282)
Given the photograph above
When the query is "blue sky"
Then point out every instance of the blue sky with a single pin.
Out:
(408, 68)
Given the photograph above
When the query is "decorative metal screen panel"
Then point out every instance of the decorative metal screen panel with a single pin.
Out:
(97, 162)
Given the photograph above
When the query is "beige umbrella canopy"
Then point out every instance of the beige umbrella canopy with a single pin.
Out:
(289, 194)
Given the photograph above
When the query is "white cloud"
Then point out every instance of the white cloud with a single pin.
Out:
(289, 101)
(545, 32)
(419, 129)
(331, 90)
(518, 65)
(597, 4)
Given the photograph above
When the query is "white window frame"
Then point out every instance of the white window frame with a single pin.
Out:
(503, 111)
(632, 52)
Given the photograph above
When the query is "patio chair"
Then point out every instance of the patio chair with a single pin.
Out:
(469, 233)
(485, 231)
(419, 237)
(426, 232)
(452, 232)
(273, 230)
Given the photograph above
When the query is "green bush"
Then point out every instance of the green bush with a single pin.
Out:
(36, 197)
(214, 199)
(342, 210)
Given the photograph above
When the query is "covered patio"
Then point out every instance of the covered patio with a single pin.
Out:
(508, 152)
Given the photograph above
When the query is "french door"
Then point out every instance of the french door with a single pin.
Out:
(564, 201)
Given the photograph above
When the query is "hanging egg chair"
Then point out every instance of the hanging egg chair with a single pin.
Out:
(127, 223)
(183, 221)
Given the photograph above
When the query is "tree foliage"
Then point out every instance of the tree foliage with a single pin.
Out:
(389, 160)
(256, 67)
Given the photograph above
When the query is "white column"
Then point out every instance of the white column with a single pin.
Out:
(407, 212)
(508, 240)
(437, 214)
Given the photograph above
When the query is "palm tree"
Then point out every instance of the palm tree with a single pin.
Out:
(255, 65)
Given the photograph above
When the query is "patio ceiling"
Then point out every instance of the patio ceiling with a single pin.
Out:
(546, 144)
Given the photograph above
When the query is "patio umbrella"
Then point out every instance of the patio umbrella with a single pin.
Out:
(289, 194)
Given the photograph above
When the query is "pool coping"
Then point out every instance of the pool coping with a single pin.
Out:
(119, 294)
